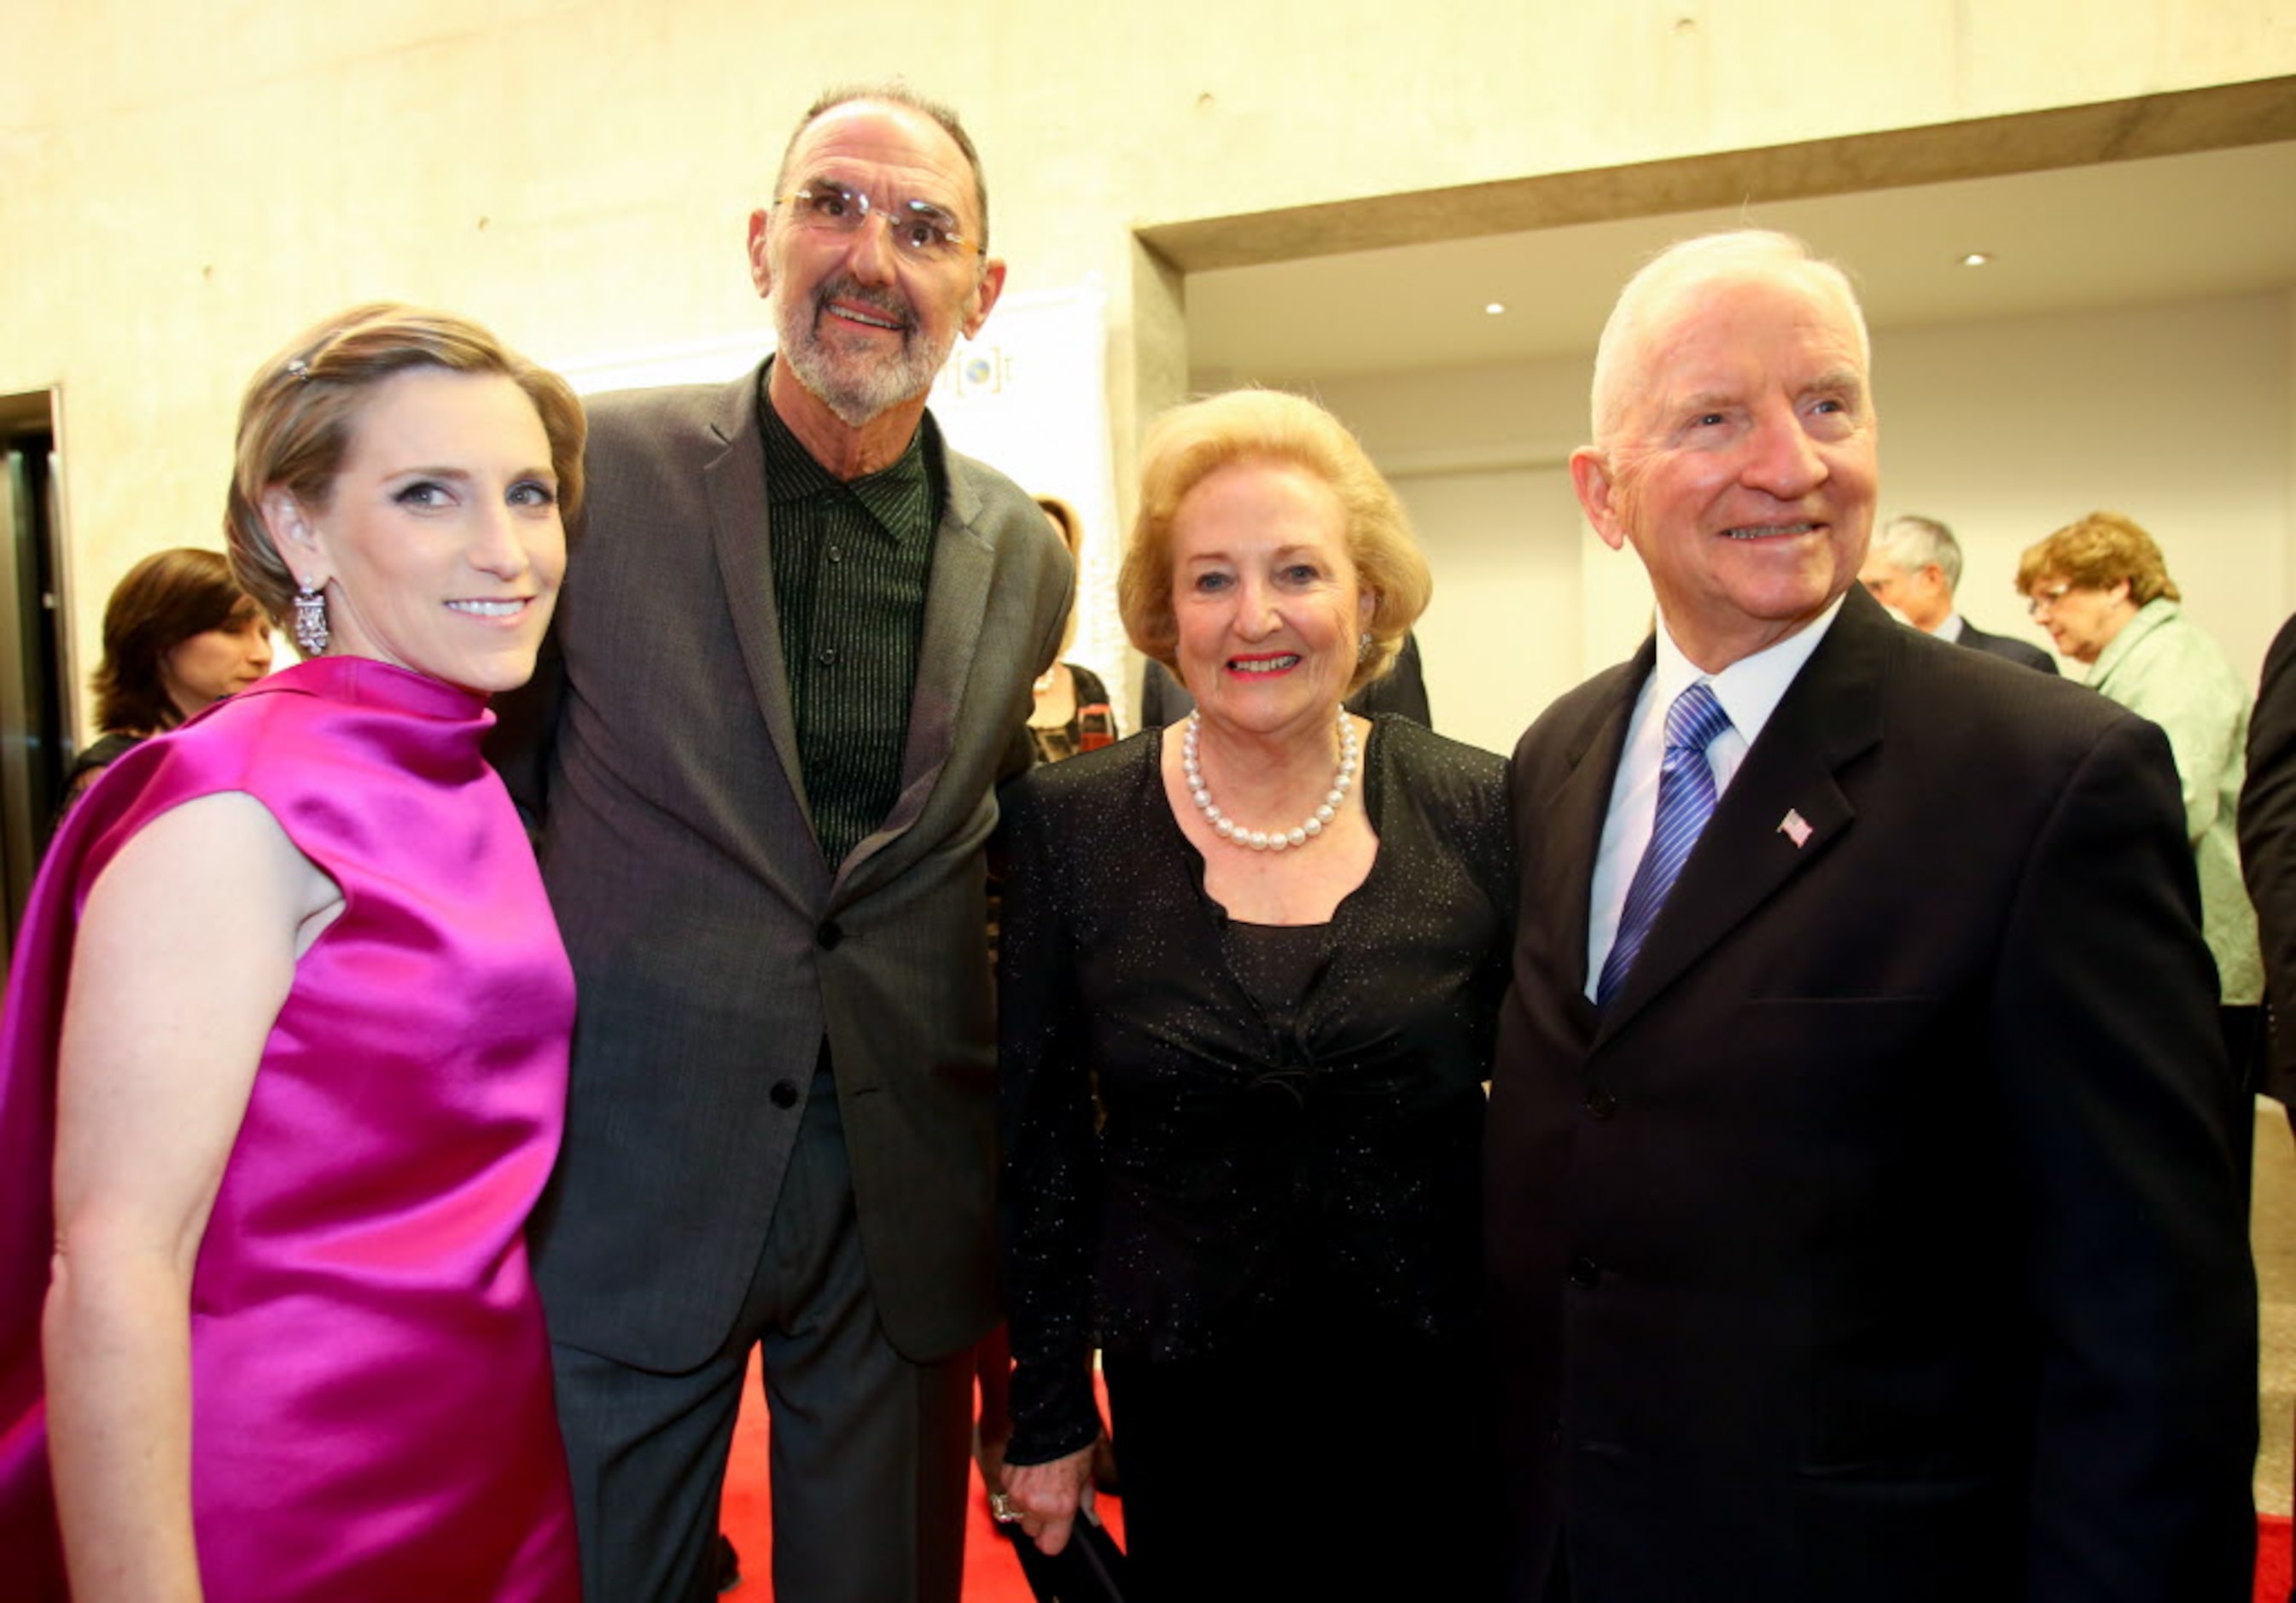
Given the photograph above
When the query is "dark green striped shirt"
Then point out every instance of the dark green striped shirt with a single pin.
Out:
(850, 564)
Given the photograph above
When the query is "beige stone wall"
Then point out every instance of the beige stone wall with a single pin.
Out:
(2179, 415)
(183, 185)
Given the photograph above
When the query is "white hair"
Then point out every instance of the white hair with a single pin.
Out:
(1914, 543)
(1653, 292)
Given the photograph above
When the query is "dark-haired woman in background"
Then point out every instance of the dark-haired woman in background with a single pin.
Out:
(179, 635)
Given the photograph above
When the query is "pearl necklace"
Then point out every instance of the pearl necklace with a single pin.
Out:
(1282, 840)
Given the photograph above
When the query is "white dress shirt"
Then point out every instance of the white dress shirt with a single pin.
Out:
(1749, 690)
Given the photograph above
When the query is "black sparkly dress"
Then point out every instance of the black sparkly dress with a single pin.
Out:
(1246, 1162)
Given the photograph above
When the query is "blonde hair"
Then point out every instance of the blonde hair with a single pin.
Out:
(1191, 442)
(2097, 552)
(301, 410)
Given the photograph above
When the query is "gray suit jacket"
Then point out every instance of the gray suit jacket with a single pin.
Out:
(714, 948)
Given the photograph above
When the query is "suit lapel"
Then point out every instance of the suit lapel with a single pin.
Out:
(734, 481)
(1572, 818)
(1783, 810)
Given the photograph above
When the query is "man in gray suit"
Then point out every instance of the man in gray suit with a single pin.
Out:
(792, 660)
(1915, 566)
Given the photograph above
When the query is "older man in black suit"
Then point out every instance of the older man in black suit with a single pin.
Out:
(1862, 1215)
(1915, 566)
(794, 657)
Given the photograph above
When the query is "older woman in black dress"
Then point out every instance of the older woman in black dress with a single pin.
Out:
(1250, 969)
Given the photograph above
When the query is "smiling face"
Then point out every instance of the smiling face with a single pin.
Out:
(439, 547)
(1743, 471)
(864, 326)
(203, 669)
(1265, 599)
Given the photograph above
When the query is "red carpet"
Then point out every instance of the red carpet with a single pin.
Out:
(993, 1575)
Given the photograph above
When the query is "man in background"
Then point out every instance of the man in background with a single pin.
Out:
(1915, 567)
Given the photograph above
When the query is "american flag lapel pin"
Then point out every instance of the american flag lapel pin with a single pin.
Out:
(1795, 828)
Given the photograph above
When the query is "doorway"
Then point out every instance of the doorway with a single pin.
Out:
(35, 676)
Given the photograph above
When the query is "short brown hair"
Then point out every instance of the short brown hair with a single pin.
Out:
(1188, 444)
(164, 599)
(297, 420)
(2097, 553)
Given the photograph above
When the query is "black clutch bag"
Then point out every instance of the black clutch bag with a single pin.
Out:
(1090, 1569)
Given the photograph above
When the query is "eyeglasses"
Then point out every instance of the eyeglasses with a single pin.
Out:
(2041, 601)
(917, 228)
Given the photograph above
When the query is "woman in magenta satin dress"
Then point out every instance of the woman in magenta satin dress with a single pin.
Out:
(284, 1061)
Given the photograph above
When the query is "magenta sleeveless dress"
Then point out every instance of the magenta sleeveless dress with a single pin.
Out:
(371, 1402)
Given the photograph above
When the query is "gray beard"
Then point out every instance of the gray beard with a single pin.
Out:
(856, 388)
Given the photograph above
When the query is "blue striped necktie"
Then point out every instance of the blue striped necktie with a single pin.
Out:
(1685, 801)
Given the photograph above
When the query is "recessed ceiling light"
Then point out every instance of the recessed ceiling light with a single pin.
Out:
(1494, 309)
(1977, 258)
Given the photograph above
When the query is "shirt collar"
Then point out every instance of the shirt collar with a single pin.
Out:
(900, 495)
(2149, 616)
(1750, 688)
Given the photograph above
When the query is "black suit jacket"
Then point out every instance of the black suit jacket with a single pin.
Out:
(714, 948)
(1880, 1239)
(2268, 846)
(2004, 646)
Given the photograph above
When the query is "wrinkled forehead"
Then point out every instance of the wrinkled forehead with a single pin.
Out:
(891, 148)
(1723, 311)
(1696, 335)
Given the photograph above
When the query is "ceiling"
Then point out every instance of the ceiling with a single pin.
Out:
(2216, 223)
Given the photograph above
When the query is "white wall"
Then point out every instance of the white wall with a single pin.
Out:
(2177, 415)
(2180, 415)
(187, 184)
(1505, 547)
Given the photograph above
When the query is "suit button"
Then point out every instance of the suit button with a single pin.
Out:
(783, 1094)
(1585, 1273)
(826, 656)
(1601, 1104)
(828, 934)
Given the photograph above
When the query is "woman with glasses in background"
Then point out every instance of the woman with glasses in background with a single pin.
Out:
(2101, 587)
